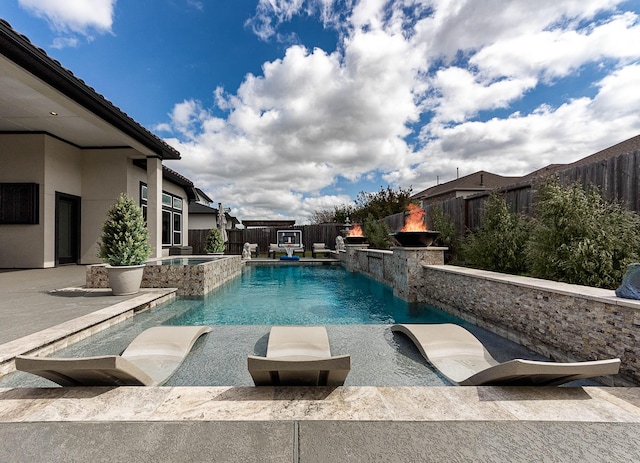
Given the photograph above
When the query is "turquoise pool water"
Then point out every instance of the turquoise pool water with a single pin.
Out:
(303, 295)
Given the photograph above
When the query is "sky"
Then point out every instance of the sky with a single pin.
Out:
(280, 108)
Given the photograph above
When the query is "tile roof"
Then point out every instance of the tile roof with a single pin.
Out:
(21, 51)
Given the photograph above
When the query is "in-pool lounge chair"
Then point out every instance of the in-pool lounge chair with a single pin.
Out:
(463, 360)
(299, 356)
(150, 360)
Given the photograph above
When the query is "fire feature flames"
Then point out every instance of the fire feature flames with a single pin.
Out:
(415, 220)
(355, 231)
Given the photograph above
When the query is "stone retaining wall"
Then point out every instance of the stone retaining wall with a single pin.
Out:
(190, 280)
(562, 321)
(400, 268)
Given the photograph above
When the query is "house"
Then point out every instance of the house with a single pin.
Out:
(204, 217)
(66, 154)
(478, 182)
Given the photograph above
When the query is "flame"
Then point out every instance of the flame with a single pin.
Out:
(355, 231)
(415, 220)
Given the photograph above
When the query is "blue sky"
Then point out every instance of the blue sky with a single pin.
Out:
(284, 107)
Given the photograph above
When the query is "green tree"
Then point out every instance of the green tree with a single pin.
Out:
(125, 238)
(381, 204)
(500, 243)
(580, 238)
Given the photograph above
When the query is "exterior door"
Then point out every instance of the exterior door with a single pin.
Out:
(67, 229)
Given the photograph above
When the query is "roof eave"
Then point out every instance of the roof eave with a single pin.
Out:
(21, 51)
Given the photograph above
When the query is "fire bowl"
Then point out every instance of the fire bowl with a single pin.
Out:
(414, 239)
(355, 239)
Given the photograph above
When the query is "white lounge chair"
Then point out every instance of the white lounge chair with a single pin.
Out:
(320, 248)
(463, 360)
(299, 356)
(150, 360)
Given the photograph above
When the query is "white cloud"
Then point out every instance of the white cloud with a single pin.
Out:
(400, 99)
(523, 143)
(71, 17)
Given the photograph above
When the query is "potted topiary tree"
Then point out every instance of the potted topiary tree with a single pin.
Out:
(124, 246)
(215, 242)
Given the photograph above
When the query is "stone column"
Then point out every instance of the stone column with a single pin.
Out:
(154, 204)
(407, 267)
(352, 256)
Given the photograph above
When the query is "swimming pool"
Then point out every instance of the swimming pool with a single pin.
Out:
(303, 295)
(356, 310)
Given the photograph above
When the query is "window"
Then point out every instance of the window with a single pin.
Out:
(19, 203)
(171, 216)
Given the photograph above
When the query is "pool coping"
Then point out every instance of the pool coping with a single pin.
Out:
(57, 337)
(344, 403)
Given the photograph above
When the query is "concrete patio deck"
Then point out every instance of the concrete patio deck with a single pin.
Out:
(287, 424)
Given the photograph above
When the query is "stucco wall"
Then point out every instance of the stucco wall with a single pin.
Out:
(104, 177)
(202, 221)
(562, 321)
(22, 160)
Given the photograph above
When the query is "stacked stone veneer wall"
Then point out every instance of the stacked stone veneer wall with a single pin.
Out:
(562, 321)
(400, 268)
(190, 280)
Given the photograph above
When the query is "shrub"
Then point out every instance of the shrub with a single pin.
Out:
(125, 239)
(215, 242)
(500, 244)
(447, 229)
(377, 233)
(580, 238)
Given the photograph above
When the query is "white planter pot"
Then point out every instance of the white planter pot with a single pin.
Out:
(126, 279)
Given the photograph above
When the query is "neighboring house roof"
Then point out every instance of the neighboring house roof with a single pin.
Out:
(268, 223)
(625, 147)
(197, 208)
(36, 89)
(203, 196)
(472, 183)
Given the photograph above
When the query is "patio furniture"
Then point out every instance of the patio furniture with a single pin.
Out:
(463, 360)
(150, 360)
(320, 248)
(299, 356)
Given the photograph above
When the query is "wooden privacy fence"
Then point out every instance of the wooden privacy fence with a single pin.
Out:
(323, 233)
(616, 177)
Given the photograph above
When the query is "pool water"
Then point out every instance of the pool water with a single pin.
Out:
(303, 295)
